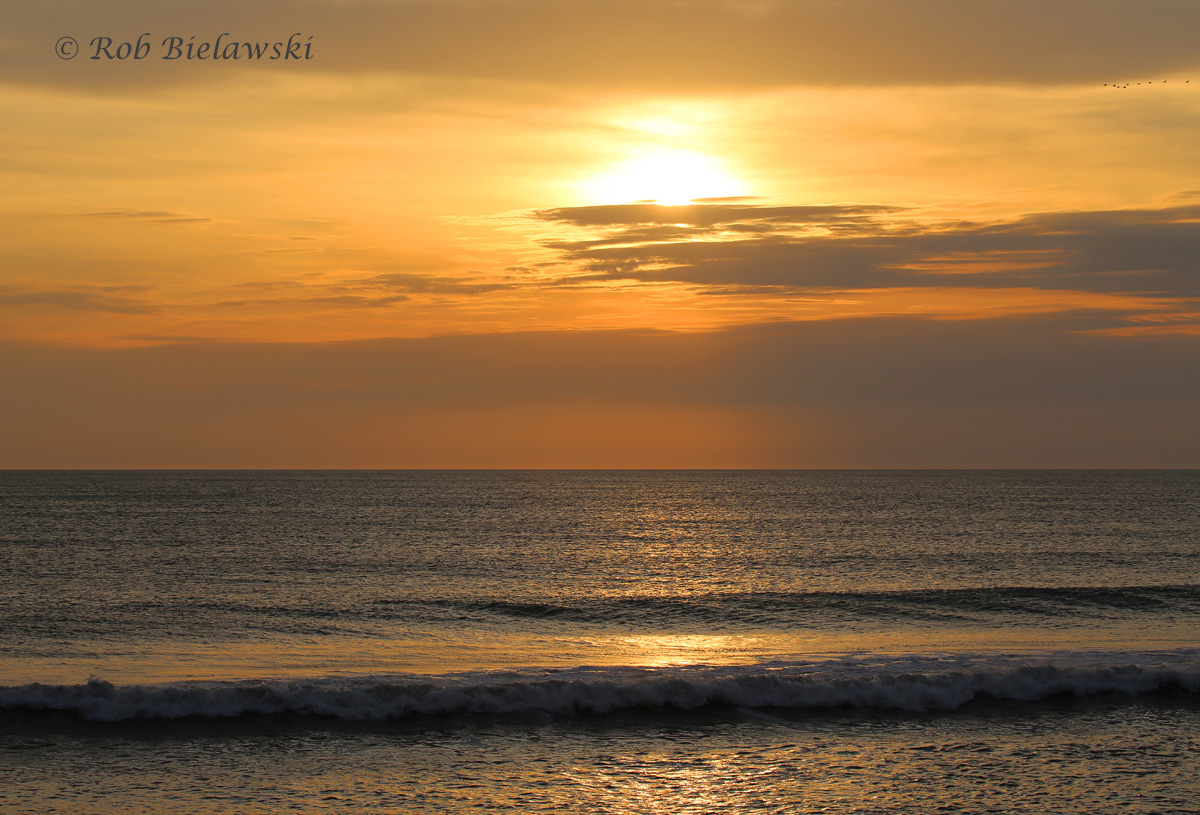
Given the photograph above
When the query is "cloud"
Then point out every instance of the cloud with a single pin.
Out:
(705, 214)
(368, 290)
(428, 284)
(648, 44)
(1150, 252)
(876, 392)
(149, 215)
(339, 301)
(90, 298)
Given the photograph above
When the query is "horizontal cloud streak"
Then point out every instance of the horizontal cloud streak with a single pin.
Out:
(79, 299)
(150, 215)
(713, 214)
(1146, 252)
(885, 392)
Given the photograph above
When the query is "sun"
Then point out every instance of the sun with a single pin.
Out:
(663, 175)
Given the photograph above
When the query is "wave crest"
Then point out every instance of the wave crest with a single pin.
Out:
(900, 685)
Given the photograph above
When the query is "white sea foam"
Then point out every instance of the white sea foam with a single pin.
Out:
(918, 684)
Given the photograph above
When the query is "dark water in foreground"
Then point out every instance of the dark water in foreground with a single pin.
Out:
(620, 642)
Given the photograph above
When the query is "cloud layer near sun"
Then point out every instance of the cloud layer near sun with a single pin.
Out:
(704, 265)
(806, 249)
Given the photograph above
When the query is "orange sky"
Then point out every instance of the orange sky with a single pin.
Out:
(803, 234)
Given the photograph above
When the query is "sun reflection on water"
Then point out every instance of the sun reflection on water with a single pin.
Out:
(661, 650)
(710, 782)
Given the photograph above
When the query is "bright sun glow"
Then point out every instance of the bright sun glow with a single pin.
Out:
(665, 176)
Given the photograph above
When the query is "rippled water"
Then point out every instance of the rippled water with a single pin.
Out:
(1057, 757)
(599, 641)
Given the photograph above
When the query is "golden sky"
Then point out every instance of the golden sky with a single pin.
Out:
(545, 233)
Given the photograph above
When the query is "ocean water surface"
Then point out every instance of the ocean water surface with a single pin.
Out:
(608, 642)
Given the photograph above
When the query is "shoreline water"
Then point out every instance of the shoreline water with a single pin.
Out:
(605, 642)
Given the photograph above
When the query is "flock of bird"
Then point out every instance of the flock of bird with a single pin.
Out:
(1150, 82)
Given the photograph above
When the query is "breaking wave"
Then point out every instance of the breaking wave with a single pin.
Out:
(917, 684)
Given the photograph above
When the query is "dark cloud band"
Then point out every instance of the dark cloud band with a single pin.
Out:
(647, 44)
(1146, 251)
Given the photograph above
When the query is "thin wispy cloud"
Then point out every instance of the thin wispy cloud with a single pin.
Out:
(149, 215)
(77, 301)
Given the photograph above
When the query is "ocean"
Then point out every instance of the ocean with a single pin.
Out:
(600, 642)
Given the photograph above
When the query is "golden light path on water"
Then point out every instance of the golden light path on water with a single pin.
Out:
(468, 651)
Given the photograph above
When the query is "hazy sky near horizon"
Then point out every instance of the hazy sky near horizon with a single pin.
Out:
(538, 233)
